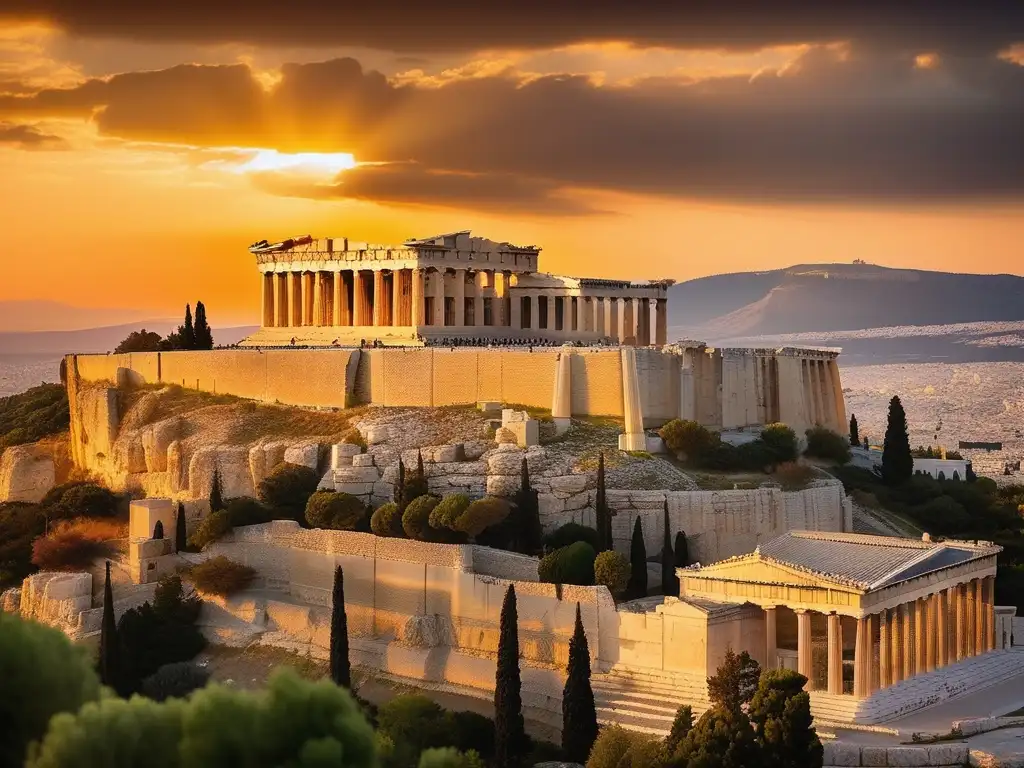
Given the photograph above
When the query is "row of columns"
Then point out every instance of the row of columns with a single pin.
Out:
(913, 638)
(820, 392)
(623, 318)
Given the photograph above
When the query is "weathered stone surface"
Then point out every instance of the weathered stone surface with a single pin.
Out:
(363, 460)
(569, 484)
(156, 439)
(357, 475)
(527, 432)
(505, 436)
(947, 754)
(839, 753)
(232, 465)
(375, 435)
(129, 454)
(26, 474)
(874, 757)
(304, 454)
(502, 485)
(356, 489)
(342, 453)
(474, 449)
(10, 600)
(505, 462)
(445, 454)
(549, 505)
(908, 757)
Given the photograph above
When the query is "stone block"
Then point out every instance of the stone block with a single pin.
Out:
(303, 454)
(445, 454)
(357, 475)
(908, 757)
(569, 484)
(343, 453)
(355, 489)
(549, 505)
(947, 754)
(474, 449)
(25, 475)
(656, 445)
(502, 485)
(841, 753)
(488, 406)
(527, 432)
(633, 441)
(874, 757)
(562, 424)
(376, 435)
(504, 436)
(363, 460)
(155, 442)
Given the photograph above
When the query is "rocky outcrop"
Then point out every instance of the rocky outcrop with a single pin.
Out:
(26, 473)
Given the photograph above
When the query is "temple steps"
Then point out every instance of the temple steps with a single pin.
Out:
(646, 702)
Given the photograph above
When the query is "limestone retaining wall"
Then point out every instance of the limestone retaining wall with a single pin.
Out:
(26, 473)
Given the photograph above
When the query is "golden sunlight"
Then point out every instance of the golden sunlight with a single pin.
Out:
(316, 163)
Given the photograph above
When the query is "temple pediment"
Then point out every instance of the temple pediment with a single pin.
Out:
(757, 569)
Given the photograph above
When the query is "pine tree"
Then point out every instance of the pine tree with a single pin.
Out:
(602, 515)
(854, 432)
(897, 461)
(108, 638)
(637, 562)
(735, 681)
(579, 712)
(203, 334)
(341, 672)
(528, 505)
(216, 499)
(681, 550)
(180, 533)
(509, 730)
(187, 332)
(681, 727)
(781, 712)
(669, 582)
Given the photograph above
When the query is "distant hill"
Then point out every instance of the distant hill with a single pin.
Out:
(17, 316)
(834, 297)
(99, 339)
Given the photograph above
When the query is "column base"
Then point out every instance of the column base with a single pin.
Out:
(635, 441)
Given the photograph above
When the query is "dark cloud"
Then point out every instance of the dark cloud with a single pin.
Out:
(416, 26)
(838, 125)
(28, 137)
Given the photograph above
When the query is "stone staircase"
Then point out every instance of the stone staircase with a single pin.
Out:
(646, 702)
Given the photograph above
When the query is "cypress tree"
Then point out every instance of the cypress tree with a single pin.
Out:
(509, 729)
(341, 671)
(897, 461)
(638, 562)
(187, 332)
(669, 583)
(400, 486)
(108, 637)
(203, 334)
(682, 551)
(216, 500)
(528, 505)
(419, 464)
(158, 530)
(579, 712)
(179, 529)
(602, 514)
(854, 432)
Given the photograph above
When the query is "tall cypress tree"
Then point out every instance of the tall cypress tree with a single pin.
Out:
(188, 331)
(180, 534)
(419, 464)
(509, 730)
(669, 582)
(528, 506)
(203, 334)
(341, 671)
(682, 551)
(400, 486)
(579, 712)
(638, 562)
(108, 638)
(897, 461)
(216, 499)
(854, 431)
(602, 515)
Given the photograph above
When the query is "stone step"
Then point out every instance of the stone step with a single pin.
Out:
(633, 722)
(633, 705)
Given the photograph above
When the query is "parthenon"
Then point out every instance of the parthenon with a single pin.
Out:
(338, 291)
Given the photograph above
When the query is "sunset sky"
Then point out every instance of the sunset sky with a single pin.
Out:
(143, 146)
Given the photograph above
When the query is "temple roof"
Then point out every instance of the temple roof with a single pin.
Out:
(862, 561)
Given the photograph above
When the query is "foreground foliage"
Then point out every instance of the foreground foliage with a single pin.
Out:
(33, 414)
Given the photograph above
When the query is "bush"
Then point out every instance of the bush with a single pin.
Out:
(211, 528)
(482, 514)
(19, 526)
(221, 576)
(447, 512)
(416, 518)
(245, 510)
(387, 521)
(353, 436)
(781, 442)
(174, 681)
(613, 570)
(688, 437)
(793, 477)
(33, 414)
(569, 565)
(80, 499)
(568, 534)
(943, 514)
(43, 674)
(470, 732)
(613, 742)
(74, 545)
(825, 444)
(336, 511)
(412, 723)
(287, 489)
(449, 757)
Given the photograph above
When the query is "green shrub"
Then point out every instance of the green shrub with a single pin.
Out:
(482, 514)
(568, 534)
(413, 723)
(33, 414)
(211, 528)
(81, 500)
(569, 565)
(449, 757)
(336, 511)
(470, 732)
(246, 510)
(448, 511)
(793, 476)
(943, 514)
(613, 570)
(416, 485)
(416, 518)
(613, 742)
(353, 436)
(221, 576)
(781, 441)
(387, 521)
(688, 437)
(287, 489)
(825, 444)
(19, 526)
(174, 681)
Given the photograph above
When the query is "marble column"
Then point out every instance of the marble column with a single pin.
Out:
(379, 304)
(581, 313)
(417, 297)
(771, 652)
(907, 625)
(501, 305)
(439, 296)
(862, 659)
(483, 281)
(360, 303)
(534, 312)
(980, 645)
(661, 322)
(643, 325)
(397, 303)
(803, 647)
(896, 645)
(990, 613)
(267, 292)
(459, 314)
(929, 635)
(306, 289)
(340, 299)
(597, 306)
(941, 611)
(972, 615)
(885, 649)
(627, 327)
(280, 300)
(961, 622)
(295, 298)
(835, 654)
(920, 638)
(870, 626)
(516, 312)
(611, 317)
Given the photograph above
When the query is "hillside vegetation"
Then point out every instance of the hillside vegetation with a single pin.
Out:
(34, 414)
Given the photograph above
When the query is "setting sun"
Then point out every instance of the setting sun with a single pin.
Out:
(327, 163)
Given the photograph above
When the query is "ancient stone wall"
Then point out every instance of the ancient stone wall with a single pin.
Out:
(26, 473)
